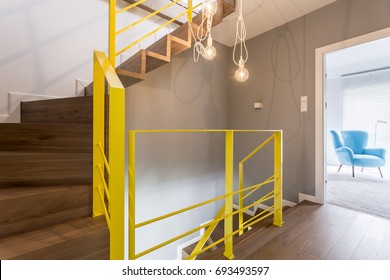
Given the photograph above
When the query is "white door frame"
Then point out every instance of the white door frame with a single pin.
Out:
(320, 105)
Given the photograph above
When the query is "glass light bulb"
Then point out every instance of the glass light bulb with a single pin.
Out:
(210, 7)
(242, 74)
(209, 52)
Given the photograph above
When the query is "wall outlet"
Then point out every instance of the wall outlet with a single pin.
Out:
(258, 105)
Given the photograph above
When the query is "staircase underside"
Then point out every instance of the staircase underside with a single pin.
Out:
(134, 69)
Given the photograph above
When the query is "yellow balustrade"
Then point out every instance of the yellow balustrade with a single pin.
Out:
(226, 213)
(108, 195)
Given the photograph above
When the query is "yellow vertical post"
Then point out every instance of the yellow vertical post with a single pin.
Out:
(131, 157)
(240, 196)
(229, 167)
(111, 32)
(117, 176)
(98, 133)
(189, 11)
(278, 175)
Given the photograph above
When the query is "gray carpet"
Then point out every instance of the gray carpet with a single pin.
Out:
(367, 192)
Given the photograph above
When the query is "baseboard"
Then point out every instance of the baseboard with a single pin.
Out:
(248, 212)
(14, 100)
(264, 207)
(307, 197)
(185, 244)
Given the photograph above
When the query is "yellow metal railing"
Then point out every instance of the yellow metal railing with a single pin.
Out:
(109, 195)
(276, 178)
(113, 32)
(226, 213)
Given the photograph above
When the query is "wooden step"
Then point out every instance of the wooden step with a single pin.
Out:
(61, 110)
(35, 169)
(29, 208)
(229, 7)
(49, 137)
(133, 70)
(86, 238)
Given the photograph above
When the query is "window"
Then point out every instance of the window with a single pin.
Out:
(366, 106)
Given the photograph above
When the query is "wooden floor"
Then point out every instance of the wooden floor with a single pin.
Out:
(319, 232)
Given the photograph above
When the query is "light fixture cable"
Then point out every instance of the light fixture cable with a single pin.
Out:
(209, 9)
(242, 73)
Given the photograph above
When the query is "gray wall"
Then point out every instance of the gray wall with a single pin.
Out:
(282, 68)
(175, 170)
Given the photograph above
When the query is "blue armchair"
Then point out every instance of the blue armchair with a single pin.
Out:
(350, 148)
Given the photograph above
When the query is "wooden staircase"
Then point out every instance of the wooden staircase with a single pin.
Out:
(135, 68)
(46, 184)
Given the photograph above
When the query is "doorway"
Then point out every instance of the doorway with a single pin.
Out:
(321, 141)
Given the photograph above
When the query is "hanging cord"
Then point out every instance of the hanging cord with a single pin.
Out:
(201, 35)
(240, 35)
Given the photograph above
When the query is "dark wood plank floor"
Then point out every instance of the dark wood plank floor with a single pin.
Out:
(320, 232)
(330, 232)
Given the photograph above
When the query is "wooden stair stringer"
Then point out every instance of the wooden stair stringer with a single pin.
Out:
(159, 53)
(133, 70)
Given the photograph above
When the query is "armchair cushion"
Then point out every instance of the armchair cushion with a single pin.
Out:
(379, 152)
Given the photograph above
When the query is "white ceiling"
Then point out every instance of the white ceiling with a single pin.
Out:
(368, 56)
(263, 15)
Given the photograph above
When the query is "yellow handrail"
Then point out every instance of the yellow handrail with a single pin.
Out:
(226, 213)
(145, 18)
(108, 197)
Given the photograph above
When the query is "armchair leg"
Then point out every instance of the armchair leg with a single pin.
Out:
(353, 171)
(380, 171)
(339, 168)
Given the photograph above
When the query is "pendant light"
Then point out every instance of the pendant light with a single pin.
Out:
(241, 74)
(209, 9)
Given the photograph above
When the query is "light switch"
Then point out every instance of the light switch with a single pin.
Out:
(303, 103)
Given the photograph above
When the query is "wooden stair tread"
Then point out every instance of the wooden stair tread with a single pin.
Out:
(30, 208)
(57, 137)
(68, 237)
(60, 110)
(26, 168)
(7, 193)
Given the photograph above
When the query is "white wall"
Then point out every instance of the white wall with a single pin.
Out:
(333, 115)
(47, 44)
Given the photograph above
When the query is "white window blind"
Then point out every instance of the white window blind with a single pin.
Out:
(366, 105)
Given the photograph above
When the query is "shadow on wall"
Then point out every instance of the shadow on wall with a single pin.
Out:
(46, 48)
(286, 69)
